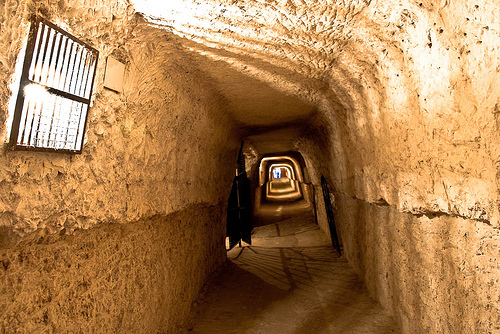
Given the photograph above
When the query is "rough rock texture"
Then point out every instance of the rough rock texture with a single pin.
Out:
(437, 274)
(115, 278)
(422, 76)
(402, 99)
(150, 150)
(73, 257)
(407, 98)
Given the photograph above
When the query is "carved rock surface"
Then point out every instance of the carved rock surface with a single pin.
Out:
(122, 237)
(397, 103)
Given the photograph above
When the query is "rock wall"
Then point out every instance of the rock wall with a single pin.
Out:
(408, 139)
(407, 90)
(164, 145)
(407, 99)
(151, 150)
(139, 277)
(414, 103)
(436, 273)
(407, 94)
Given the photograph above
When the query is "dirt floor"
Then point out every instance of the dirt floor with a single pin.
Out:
(289, 281)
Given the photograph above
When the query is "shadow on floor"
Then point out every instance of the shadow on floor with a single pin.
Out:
(234, 302)
(296, 289)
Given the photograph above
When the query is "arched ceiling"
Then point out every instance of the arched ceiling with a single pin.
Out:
(407, 92)
(257, 52)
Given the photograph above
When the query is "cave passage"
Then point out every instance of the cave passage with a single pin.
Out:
(290, 280)
(120, 127)
(280, 189)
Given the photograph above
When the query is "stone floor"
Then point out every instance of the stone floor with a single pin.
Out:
(289, 281)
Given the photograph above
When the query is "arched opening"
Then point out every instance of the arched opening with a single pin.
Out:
(281, 191)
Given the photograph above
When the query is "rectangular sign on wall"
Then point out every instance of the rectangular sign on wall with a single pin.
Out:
(115, 71)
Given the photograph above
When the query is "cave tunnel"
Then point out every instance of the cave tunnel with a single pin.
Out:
(120, 127)
(281, 188)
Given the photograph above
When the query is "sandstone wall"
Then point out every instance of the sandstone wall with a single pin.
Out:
(164, 145)
(115, 278)
(436, 274)
(407, 94)
(150, 150)
(408, 90)
(414, 107)
(409, 140)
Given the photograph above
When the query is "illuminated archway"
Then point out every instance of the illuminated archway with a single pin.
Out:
(281, 189)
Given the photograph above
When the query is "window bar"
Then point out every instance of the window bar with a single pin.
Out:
(25, 73)
(58, 126)
(36, 135)
(69, 124)
(49, 117)
(86, 80)
(53, 60)
(94, 71)
(54, 128)
(77, 76)
(37, 45)
(82, 74)
(23, 120)
(88, 95)
(91, 76)
(30, 133)
(29, 120)
(78, 125)
(39, 52)
(67, 64)
(42, 59)
(85, 74)
(48, 58)
(73, 68)
(73, 63)
(57, 72)
(52, 118)
(81, 127)
(63, 64)
(32, 112)
(60, 61)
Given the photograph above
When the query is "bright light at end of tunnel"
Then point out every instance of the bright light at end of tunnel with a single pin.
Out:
(277, 173)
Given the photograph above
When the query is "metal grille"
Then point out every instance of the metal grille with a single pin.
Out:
(329, 214)
(55, 91)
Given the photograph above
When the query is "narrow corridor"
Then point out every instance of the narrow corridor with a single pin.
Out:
(289, 281)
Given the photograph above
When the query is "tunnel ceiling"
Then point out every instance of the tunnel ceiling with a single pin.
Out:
(275, 140)
(250, 101)
(250, 56)
(391, 84)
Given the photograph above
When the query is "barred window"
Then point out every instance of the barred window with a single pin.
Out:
(55, 91)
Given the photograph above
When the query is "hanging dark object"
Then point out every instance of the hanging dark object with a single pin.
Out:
(329, 214)
(239, 208)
